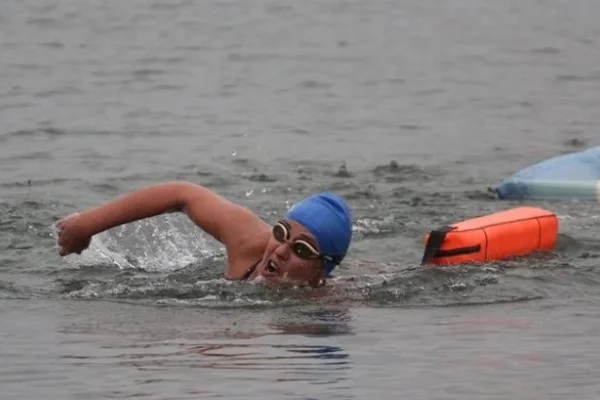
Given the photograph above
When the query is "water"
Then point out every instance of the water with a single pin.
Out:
(411, 110)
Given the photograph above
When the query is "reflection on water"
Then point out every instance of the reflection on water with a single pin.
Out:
(314, 322)
(310, 362)
(265, 356)
(299, 344)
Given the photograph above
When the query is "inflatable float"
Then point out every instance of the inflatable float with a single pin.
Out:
(569, 176)
(510, 233)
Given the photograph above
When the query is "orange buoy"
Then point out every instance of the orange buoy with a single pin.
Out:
(514, 232)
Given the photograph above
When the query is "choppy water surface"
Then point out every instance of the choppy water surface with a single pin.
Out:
(411, 110)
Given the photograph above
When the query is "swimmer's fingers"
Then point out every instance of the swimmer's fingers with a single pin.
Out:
(71, 238)
(73, 246)
(63, 243)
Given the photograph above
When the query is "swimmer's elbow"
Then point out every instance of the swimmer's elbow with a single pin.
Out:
(189, 194)
(226, 221)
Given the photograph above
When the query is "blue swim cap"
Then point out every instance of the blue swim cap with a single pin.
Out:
(327, 216)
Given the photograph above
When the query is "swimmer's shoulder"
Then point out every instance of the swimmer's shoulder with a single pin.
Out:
(248, 253)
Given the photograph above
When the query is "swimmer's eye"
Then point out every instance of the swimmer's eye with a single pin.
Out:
(305, 250)
(281, 233)
(301, 248)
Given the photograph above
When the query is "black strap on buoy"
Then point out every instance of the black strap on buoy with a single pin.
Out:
(435, 241)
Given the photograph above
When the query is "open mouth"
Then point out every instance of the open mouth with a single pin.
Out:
(271, 268)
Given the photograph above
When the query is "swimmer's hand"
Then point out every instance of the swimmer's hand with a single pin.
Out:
(73, 234)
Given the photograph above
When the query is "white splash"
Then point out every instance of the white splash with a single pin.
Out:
(164, 243)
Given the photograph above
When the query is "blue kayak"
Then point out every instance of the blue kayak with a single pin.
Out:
(569, 176)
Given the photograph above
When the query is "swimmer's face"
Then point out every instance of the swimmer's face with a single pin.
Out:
(292, 255)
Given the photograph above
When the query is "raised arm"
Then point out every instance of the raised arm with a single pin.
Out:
(229, 223)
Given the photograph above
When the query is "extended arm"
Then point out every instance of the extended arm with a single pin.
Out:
(227, 222)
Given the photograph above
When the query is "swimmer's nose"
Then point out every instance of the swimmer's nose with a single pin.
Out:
(283, 251)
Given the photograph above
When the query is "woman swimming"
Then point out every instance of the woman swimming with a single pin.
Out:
(303, 247)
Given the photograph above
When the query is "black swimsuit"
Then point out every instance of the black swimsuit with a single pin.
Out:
(249, 271)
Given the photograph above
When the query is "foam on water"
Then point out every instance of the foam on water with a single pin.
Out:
(161, 244)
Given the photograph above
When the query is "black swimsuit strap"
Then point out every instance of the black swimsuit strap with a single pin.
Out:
(249, 271)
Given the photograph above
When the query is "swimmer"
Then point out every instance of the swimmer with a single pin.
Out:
(303, 247)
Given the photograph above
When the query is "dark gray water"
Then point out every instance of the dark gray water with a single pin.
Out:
(409, 109)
